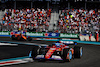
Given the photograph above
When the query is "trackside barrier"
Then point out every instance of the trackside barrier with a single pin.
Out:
(82, 37)
(84, 42)
(5, 34)
(42, 35)
(87, 37)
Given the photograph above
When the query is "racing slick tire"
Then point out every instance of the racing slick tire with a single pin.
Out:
(78, 52)
(34, 52)
(29, 39)
(13, 37)
(67, 55)
(18, 38)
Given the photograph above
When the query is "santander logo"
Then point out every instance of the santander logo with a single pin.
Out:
(52, 48)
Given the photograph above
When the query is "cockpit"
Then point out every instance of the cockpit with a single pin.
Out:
(57, 44)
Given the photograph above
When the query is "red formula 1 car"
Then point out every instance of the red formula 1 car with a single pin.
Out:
(57, 51)
(20, 37)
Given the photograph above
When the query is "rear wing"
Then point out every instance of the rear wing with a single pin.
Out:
(69, 42)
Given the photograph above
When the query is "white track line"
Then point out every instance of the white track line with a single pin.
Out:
(5, 44)
(36, 44)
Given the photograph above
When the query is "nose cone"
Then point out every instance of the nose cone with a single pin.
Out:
(47, 56)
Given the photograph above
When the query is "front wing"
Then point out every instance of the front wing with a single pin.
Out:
(53, 57)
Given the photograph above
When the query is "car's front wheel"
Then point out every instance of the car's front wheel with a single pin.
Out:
(67, 55)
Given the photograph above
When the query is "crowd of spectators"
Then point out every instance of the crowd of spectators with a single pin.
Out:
(38, 20)
(34, 20)
(79, 21)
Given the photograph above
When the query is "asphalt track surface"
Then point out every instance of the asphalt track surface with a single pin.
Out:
(90, 58)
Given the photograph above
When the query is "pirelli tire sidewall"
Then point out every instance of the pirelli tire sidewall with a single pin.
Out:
(78, 51)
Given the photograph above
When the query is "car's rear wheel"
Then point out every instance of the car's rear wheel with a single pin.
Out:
(34, 52)
(29, 38)
(78, 52)
(18, 38)
(13, 37)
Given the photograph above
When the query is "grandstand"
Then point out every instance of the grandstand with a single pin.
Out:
(63, 16)
(79, 20)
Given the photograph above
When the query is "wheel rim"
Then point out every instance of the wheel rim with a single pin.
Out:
(30, 54)
(70, 55)
(81, 52)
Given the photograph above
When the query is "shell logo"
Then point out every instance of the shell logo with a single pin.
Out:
(50, 50)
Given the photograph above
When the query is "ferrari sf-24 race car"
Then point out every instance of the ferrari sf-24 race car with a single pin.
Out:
(57, 51)
(20, 36)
